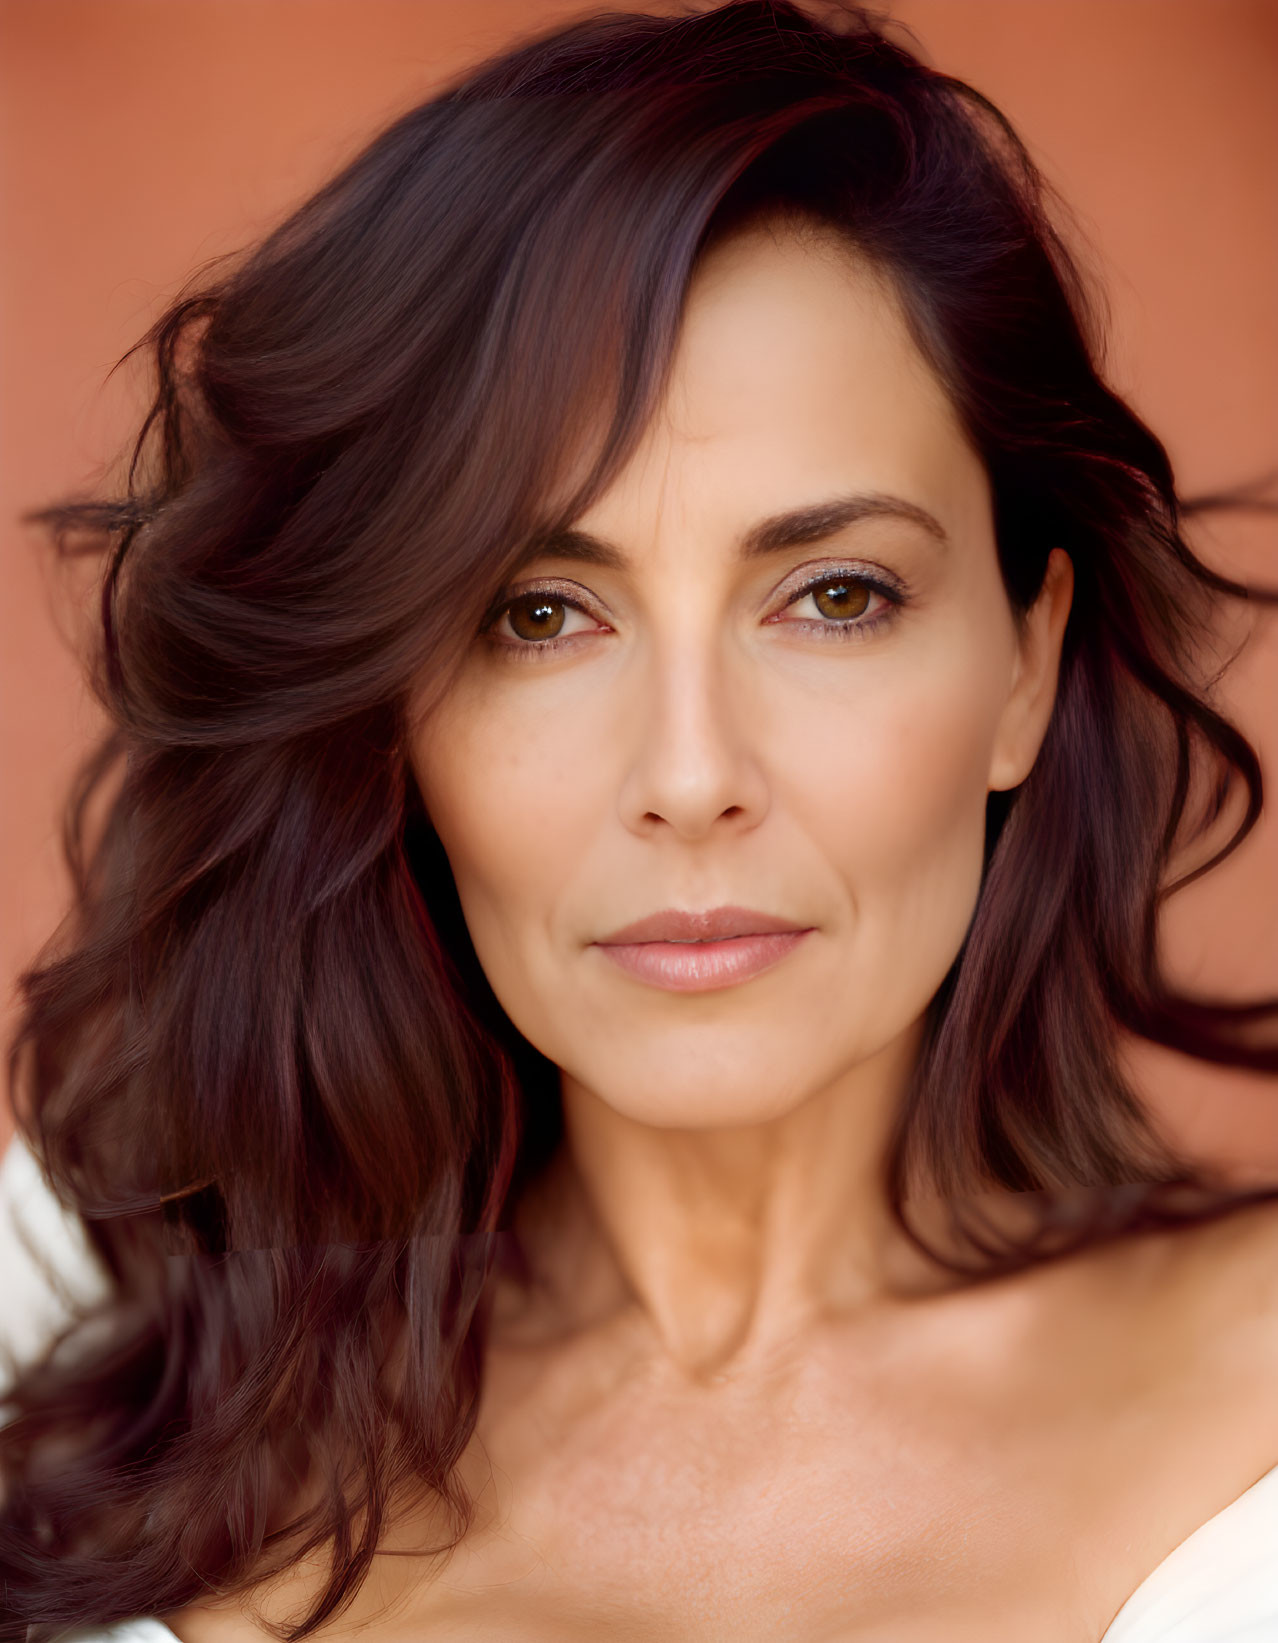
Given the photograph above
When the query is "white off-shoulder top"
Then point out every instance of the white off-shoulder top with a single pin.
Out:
(1220, 1585)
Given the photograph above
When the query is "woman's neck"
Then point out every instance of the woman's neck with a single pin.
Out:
(728, 1242)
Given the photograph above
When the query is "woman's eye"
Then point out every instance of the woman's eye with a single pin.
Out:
(842, 599)
(837, 600)
(535, 618)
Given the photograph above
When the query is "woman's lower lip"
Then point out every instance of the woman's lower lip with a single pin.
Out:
(699, 966)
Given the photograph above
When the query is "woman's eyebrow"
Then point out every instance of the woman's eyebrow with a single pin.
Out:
(815, 522)
(819, 520)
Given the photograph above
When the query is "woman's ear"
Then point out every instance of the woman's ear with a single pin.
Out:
(1023, 722)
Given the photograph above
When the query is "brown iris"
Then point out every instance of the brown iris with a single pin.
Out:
(536, 616)
(841, 598)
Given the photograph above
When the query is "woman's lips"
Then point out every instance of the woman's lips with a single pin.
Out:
(696, 952)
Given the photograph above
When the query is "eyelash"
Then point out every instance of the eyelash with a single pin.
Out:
(849, 629)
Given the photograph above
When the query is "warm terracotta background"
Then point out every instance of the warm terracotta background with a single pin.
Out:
(142, 137)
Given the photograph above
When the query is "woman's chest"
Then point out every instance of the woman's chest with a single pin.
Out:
(979, 1483)
(684, 1547)
(796, 1517)
(891, 1497)
(805, 1516)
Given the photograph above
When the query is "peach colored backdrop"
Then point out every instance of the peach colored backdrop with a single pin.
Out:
(139, 138)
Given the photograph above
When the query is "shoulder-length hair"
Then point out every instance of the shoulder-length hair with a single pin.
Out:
(260, 1059)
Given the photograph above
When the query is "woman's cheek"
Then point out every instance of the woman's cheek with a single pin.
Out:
(514, 795)
(905, 764)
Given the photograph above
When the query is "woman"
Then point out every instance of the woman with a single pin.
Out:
(657, 696)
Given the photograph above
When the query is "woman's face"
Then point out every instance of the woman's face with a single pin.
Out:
(700, 703)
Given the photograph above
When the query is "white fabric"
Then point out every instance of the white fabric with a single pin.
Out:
(37, 1232)
(128, 1631)
(1220, 1585)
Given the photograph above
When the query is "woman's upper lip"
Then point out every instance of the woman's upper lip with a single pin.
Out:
(714, 924)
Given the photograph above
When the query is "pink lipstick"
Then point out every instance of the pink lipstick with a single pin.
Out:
(696, 952)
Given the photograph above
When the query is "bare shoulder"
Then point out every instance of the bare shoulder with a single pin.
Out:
(1191, 1311)
(1229, 1266)
(1208, 1293)
(404, 1572)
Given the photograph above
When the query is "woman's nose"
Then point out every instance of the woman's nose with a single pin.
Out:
(694, 763)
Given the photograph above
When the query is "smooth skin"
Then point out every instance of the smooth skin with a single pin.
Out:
(737, 1404)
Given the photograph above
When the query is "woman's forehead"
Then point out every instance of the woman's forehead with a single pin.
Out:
(795, 378)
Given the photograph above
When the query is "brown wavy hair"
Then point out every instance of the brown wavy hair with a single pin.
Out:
(260, 1059)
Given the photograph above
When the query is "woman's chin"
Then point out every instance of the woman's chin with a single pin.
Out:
(667, 1095)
